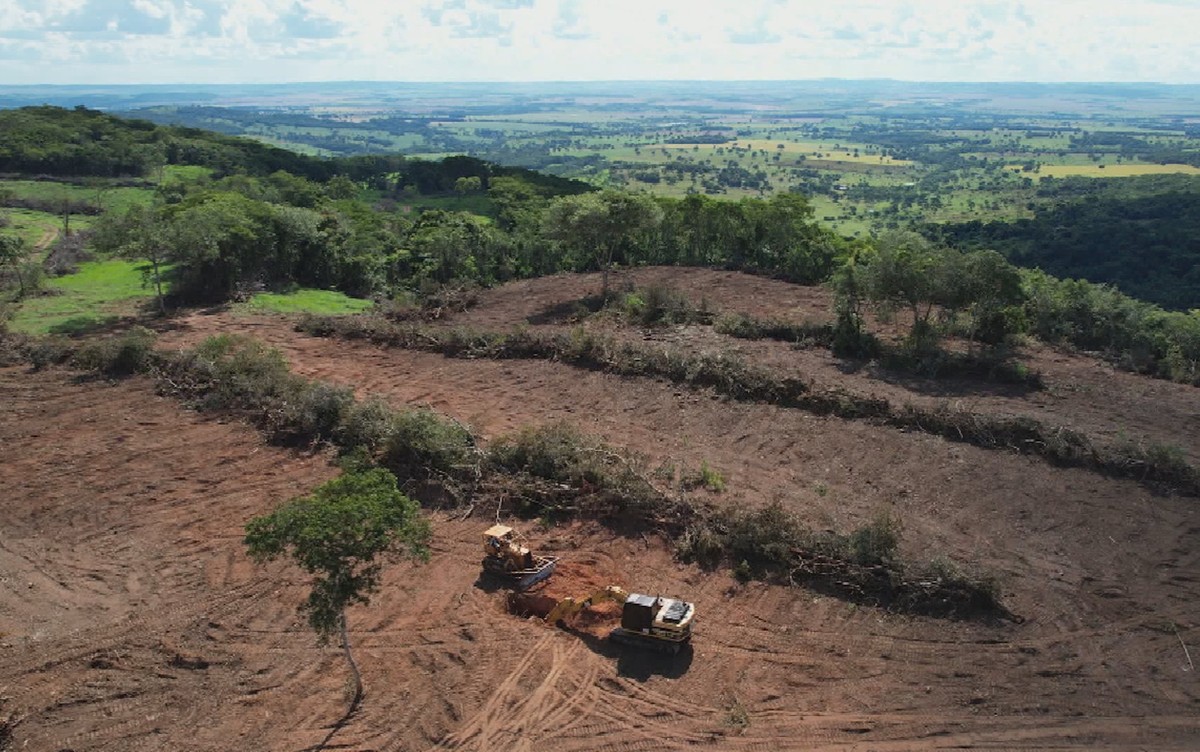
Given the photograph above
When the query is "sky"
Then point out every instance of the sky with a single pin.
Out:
(270, 41)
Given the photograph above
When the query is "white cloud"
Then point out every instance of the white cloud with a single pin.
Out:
(265, 40)
(153, 9)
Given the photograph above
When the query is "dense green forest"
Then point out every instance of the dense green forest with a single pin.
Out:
(1140, 234)
(264, 218)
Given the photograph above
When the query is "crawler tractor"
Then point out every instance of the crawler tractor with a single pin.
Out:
(647, 621)
(506, 557)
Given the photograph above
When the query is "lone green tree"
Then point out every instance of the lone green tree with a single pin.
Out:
(339, 534)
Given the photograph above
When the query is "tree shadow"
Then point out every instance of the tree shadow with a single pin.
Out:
(568, 311)
(947, 386)
(999, 379)
(80, 326)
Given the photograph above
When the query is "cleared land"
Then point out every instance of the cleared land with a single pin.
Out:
(131, 618)
(1115, 170)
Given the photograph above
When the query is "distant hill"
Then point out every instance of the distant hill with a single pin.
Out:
(45, 140)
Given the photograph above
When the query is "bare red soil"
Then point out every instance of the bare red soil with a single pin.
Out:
(130, 618)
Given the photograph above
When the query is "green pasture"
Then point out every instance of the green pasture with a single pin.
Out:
(184, 173)
(99, 293)
(100, 192)
(322, 302)
(37, 229)
(1128, 169)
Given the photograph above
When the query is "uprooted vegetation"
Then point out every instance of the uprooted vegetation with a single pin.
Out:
(729, 375)
(551, 472)
(653, 305)
(993, 364)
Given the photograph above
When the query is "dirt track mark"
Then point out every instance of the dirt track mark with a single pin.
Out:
(505, 707)
(48, 236)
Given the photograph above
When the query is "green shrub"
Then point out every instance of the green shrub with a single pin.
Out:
(875, 542)
(242, 373)
(706, 477)
(747, 327)
(367, 425)
(317, 413)
(121, 355)
(44, 352)
(421, 444)
(607, 483)
(702, 544)
(556, 451)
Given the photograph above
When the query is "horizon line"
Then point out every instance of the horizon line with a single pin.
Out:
(484, 82)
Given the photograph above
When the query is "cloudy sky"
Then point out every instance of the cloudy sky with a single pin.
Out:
(249, 41)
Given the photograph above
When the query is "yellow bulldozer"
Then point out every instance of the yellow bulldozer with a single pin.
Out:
(507, 557)
(647, 621)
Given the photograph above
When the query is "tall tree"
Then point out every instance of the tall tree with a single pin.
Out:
(139, 234)
(596, 226)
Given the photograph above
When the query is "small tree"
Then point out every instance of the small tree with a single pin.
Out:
(12, 253)
(139, 234)
(338, 534)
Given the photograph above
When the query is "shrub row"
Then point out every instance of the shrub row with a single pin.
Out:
(771, 543)
(730, 375)
(991, 365)
(747, 327)
(550, 472)
(725, 372)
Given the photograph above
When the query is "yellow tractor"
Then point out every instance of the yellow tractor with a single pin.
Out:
(647, 621)
(505, 556)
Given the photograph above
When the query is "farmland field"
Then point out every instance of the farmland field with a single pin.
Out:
(1116, 170)
(870, 157)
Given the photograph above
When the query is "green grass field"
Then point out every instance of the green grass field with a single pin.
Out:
(324, 302)
(109, 198)
(99, 293)
(37, 229)
(184, 173)
(1115, 170)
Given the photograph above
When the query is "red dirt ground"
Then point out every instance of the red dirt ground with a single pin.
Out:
(130, 618)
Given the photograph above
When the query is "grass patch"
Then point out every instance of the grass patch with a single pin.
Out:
(35, 227)
(99, 293)
(320, 302)
(185, 173)
(104, 195)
